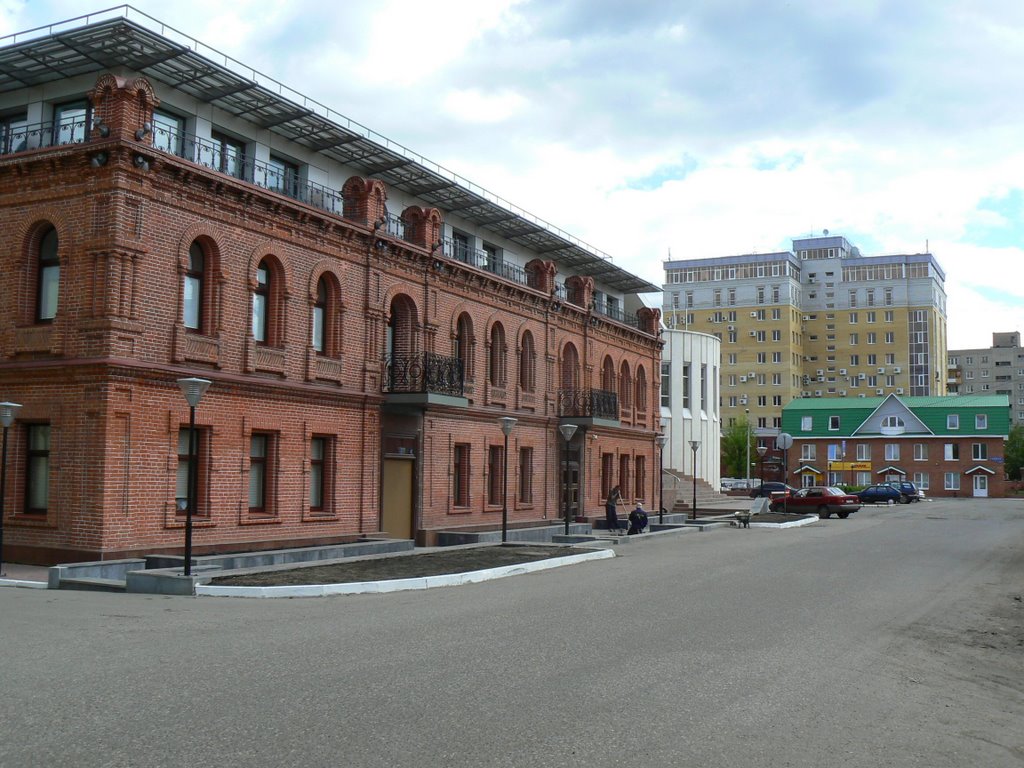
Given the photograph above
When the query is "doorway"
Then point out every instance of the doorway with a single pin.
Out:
(397, 497)
(981, 484)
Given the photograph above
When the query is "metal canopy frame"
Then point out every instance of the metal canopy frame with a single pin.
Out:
(122, 37)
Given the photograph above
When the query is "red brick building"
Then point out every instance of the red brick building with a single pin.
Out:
(364, 320)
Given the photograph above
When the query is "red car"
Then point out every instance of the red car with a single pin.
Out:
(825, 500)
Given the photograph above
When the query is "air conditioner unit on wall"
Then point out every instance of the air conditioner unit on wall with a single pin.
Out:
(879, 391)
(842, 371)
(862, 376)
(842, 393)
(817, 393)
(732, 327)
(753, 333)
(881, 370)
(899, 390)
(897, 369)
(743, 379)
(753, 314)
(861, 395)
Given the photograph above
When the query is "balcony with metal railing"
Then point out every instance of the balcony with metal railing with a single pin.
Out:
(588, 406)
(227, 158)
(424, 378)
(20, 136)
(481, 259)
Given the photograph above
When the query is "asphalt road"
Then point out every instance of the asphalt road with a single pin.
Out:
(893, 638)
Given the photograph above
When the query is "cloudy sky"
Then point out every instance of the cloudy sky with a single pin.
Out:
(701, 128)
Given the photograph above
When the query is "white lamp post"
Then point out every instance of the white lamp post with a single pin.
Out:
(507, 423)
(193, 390)
(662, 439)
(8, 411)
(694, 445)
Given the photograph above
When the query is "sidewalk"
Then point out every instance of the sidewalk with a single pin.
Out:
(16, 572)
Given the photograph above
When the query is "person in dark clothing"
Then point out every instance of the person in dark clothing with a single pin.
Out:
(610, 510)
(637, 520)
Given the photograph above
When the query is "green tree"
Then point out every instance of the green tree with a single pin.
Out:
(1013, 456)
(735, 440)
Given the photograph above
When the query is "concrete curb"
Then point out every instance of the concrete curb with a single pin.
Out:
(398, 585)
(792, 524)
(23, 583)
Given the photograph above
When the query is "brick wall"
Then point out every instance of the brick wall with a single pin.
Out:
(103, 373)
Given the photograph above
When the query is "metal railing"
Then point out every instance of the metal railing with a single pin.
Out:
(20, 137)
(423, 373)
(614, 313)
(481, 259)
(588, 403)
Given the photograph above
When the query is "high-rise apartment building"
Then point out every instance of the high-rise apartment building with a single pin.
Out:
(822, 320)
(997, 370)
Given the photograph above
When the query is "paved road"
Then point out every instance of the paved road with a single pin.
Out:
(893, 638)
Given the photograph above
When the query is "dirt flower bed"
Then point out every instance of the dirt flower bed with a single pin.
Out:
(403, 566)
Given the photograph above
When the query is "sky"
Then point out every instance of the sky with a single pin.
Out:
(685, 129)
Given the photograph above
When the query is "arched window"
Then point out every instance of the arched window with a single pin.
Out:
(570, 368)
(625, 387)
(261, 303)
(527, 364)
(48, 277)
(497, 356)
(193, 290)
(608, 375)
(641, 389)
(464, 344)
(319, 315)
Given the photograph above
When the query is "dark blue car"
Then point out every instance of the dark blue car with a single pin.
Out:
(881, 494)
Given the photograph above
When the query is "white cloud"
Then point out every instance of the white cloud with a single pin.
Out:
(711, 129)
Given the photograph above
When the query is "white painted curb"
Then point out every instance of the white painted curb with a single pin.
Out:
(23, 583)
(398, 585)
(791, 524)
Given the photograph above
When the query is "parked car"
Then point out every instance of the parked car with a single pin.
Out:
(767, 489)
(825, 500)
(909, 491)
(882, 494)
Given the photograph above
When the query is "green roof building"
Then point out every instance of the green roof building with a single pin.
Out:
(948, 446)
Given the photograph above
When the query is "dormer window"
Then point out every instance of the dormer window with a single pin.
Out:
(893, 425)
(833, 423)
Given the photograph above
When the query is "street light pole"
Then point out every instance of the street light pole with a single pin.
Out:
(694, 445)
(193, 390)
(567, 430)
(662, 439)
(7, 413)
(747, 411)
(761, 451)
(507, 422)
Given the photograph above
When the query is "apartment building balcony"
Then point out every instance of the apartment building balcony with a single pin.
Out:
(588, 407)
(423, 379)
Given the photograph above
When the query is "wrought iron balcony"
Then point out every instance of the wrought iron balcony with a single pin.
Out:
(422, 374)
(19, 136)
(616, 314)
(481, 259)
(588, 404)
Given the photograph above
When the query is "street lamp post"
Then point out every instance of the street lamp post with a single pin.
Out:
(761, 451)
(747, 411)
(567, 430)
(694, 445)
(662, 439)
(7, 413)
(193, 390)
(507, 422)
